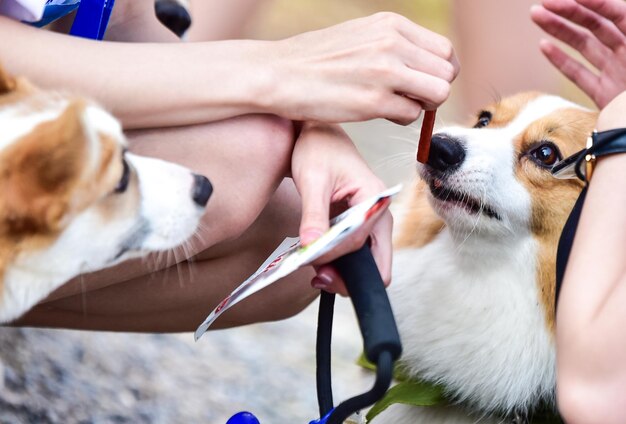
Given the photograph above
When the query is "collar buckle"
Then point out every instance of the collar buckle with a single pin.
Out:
(590, 160)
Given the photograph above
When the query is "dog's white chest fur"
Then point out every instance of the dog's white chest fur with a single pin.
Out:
(470, 319)
(473, 281)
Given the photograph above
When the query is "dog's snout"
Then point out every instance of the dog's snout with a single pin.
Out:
(201, 190)
(173, 16)
(446, 153)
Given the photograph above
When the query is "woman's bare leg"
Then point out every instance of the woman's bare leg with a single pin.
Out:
(220, 20)
(247, 217)
(494, 65)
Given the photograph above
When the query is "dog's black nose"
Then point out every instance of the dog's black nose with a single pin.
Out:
(201, 190)
(173, 15)
(446, 153)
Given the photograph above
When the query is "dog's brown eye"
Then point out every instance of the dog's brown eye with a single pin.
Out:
(122, 185)
(546, 155)
(484, 118)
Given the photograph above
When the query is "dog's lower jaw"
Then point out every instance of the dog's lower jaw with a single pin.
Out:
(475, 326)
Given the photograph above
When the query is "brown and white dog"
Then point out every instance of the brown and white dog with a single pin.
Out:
(474, 266)
(72, 200)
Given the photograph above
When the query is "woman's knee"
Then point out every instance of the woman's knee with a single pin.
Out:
(270, 139)
(265, 156)
(246, 158)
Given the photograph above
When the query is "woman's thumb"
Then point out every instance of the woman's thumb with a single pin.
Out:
(315, 215)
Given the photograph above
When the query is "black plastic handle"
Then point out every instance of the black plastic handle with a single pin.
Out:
(371, 304)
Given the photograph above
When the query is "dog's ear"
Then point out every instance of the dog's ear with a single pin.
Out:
(7, 83)
(40, 172)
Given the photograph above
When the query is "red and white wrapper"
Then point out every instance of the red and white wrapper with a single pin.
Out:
(290, 255)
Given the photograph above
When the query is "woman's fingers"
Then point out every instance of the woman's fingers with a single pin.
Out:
(574, 70)
(355, 240)
(420, 36)
(614, 11)
(578, 38)
(602, 28)
(328, 279)
(315, 209)
(379, 235)
(382, 247)
(360, 70)
(596, 29)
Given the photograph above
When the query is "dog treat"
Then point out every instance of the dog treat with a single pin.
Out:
(423, 146)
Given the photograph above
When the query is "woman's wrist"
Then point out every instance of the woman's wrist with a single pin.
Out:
(613, 115)
(261, 79)
(246, 80)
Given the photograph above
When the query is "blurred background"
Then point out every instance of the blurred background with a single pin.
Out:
(58, 376)
(495, 41)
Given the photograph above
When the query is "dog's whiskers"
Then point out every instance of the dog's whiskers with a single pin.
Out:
(398, 160)
(478, 217)
(408, 141)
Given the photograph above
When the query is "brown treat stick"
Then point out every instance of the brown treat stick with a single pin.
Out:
(426, 134)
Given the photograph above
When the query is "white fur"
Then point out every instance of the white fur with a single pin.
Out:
(166, 205)
(472, 321)
(98, 121)
(21, 118)
(467, 303)
(92, 240)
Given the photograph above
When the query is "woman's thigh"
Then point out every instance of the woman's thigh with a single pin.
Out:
(179, 297)
(246, 159)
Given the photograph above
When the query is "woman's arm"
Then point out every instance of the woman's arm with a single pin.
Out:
(144, 84)
(591, 335)
(381, 66)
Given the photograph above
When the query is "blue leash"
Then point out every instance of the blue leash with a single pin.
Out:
(92, 19)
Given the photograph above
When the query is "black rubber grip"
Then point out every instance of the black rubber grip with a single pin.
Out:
(371, 304)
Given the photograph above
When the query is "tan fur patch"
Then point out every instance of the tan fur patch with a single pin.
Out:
(13, 90)
(552, 199)
(7, 83)
(45, 176)
(110, 159)
(39, 172)
(37, 176)
(109, 174)
(420, 224)
(504, 111)
(123, 204)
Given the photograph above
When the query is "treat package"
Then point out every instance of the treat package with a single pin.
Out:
(290, 255)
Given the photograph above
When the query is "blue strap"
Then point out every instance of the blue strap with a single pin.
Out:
(243, 418)
(322, 420)
(92, 19)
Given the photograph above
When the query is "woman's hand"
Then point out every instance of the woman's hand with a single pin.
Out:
(380, 66)
(597, 29)
(331, 176)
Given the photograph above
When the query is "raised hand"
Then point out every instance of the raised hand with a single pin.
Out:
(596, 29)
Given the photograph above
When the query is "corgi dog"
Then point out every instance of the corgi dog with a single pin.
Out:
(473, 286)
(73, 200)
